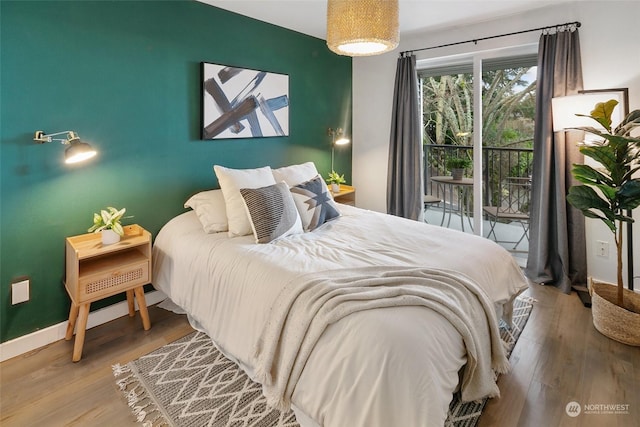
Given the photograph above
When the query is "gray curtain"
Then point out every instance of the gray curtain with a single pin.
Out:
(405, 188)
(557, 249)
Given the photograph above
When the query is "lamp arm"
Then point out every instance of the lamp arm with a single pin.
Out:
(41, 138)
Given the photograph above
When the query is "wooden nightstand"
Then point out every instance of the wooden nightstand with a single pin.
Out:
(347, 195)
(96, 271)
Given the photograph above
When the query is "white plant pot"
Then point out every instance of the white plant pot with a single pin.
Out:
(335, 188)
(109, 237)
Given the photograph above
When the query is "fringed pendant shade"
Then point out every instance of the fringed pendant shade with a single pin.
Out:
(362, 27)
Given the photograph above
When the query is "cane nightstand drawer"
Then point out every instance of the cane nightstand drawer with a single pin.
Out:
(98, 279)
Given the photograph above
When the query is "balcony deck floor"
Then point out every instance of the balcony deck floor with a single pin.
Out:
(510, 232)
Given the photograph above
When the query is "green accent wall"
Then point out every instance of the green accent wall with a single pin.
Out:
(125, 75)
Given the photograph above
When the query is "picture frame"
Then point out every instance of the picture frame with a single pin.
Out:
(243, 103)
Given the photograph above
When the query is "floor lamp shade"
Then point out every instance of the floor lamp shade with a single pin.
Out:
(362, 27)
(565, 108)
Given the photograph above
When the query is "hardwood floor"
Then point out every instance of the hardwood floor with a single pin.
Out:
(559, 358)
(45, 388)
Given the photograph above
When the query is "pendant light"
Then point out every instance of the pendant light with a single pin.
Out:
(362, 27)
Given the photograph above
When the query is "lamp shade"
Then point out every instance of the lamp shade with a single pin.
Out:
(342, 141)
(362, 27)
(78, 152)
(565, 108)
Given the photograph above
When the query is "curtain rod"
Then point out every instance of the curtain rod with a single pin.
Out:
(475, 41)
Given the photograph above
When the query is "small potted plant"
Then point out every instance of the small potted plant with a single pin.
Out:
(335, 180)
(609, 193)
(107, 222)
(457, 166)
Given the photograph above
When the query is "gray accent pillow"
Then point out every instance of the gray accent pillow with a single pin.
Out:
(315, 203)
(272, 212)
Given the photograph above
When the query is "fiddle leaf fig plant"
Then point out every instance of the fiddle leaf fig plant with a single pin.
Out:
(609, 192)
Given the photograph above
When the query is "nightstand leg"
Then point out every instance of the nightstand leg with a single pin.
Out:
(142, 305)
(131, 303)
(82, 326)
(73, 315)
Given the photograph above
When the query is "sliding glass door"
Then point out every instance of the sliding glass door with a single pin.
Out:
(491, 142)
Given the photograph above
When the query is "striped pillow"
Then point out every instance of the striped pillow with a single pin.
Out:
(272, 212)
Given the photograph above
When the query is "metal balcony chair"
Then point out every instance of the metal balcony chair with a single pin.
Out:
(513, 207)
(431, 200)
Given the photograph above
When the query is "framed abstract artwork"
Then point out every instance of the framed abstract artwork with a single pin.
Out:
(243, 103)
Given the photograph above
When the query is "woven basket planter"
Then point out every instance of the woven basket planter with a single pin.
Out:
(618, 323)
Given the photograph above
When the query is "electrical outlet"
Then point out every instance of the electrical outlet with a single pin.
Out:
(20, 291)
(602, 248)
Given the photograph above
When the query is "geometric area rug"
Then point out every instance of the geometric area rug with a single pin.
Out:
(466, 414)
(190, 383)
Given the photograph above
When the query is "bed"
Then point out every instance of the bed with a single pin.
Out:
(389, 364)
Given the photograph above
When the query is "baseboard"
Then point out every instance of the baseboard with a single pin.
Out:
(37, 339)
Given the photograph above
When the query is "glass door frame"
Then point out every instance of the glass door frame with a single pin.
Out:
(476, 60)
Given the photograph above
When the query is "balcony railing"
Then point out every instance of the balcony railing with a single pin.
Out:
(499, 165)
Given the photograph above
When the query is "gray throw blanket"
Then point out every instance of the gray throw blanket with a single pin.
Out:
(312, 302)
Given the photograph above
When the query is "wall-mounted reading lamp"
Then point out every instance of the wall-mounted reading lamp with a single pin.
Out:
(77, 151)
(337, 138)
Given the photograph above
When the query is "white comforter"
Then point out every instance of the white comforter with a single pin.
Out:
(386, 367)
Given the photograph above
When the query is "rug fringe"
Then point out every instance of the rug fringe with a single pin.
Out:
(142, 405)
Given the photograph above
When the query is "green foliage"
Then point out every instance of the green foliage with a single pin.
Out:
(510, 135)
(508, 113)
(335, 178)
(458, 163)
(448, 109)
(602, 113)
(522, 166)
(108, 220)
(618, 155)
(508, 107)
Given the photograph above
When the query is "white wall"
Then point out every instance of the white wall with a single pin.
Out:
(610, 59)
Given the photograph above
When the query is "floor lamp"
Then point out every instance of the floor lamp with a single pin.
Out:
(564, 109)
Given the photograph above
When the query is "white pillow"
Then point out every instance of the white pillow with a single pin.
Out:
(231, 181)
(211, 210)
(295, 174)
